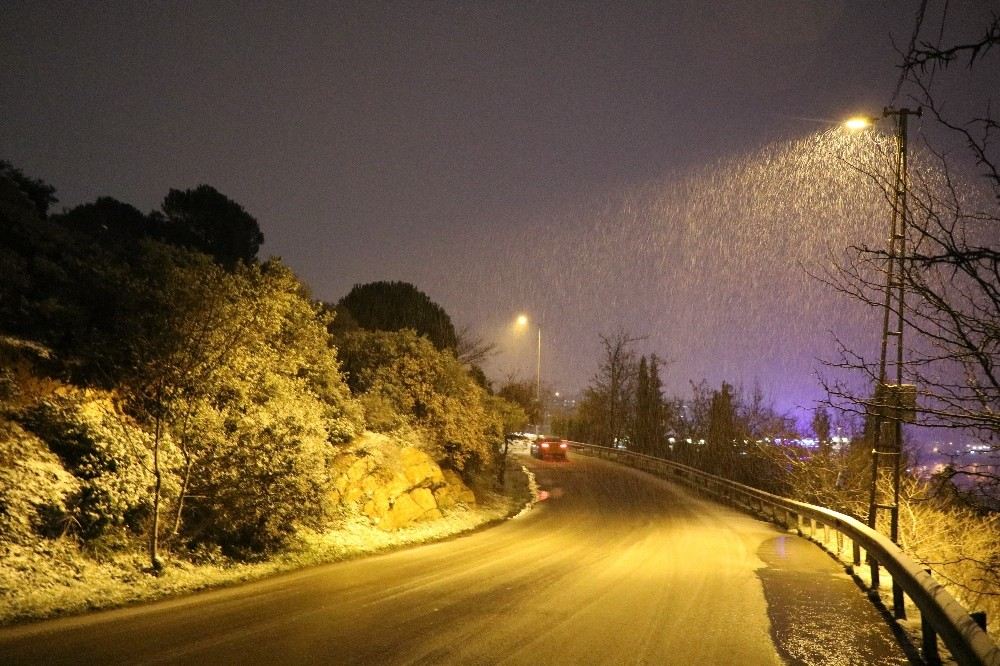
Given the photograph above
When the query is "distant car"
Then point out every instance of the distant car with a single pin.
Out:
(549, 447)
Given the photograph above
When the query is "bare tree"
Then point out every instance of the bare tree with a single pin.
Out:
(608, 397)
(951, 272)
(472, 349)
(951, 278)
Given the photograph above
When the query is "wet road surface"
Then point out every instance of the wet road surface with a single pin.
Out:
(613, 567)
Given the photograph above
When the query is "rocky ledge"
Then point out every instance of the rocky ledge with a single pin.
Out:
(396, 485)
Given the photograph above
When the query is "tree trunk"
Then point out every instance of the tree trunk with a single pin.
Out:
(184, 488)
(154, 533)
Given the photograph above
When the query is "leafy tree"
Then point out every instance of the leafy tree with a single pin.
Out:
(40, 194)
(340, 318)
(513, 419)
(108, 454)
(394, 306)
(404, 381)
(203, 219)
(237, 368)
(48, 291)
(111, 221)
(258, 443)
(522, 392)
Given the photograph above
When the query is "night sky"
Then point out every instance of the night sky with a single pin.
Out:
(594, 165)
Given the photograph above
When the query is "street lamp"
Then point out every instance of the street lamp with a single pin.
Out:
(522, 323)
(892, 403)
(859, 122)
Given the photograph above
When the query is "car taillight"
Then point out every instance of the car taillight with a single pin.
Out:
(563, 445)
(545, 445)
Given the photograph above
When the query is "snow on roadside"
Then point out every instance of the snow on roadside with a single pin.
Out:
(54, 577)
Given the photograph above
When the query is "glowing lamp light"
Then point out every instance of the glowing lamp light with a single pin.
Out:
(522, 320)
(858, 123)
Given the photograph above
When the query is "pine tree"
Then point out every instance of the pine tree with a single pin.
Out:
(649, 408)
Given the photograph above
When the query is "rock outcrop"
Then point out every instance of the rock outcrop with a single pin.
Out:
(395, 485)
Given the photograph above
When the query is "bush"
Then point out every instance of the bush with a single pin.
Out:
(269, 475)
(428, 389)
(108, 456)
(35, 489)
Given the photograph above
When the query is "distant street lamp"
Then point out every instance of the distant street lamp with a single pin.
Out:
(522, 323)
(892, 403)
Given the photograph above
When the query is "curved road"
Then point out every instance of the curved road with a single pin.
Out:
(613, 567)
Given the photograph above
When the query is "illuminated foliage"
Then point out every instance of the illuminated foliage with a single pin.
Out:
(108, 455)
(402, 379)
(238, 366)
(522, 393)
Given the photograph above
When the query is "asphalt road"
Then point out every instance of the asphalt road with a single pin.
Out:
(613, 567)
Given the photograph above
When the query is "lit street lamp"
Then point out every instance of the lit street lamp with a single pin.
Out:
(522, 323)
(892, 403)
(859, 122)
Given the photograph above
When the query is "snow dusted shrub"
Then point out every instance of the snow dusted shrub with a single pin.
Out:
(34, 487)
(269, 472)
(402, 373)
(108, 456)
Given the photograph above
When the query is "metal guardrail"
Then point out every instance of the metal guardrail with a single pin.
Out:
(941, 615)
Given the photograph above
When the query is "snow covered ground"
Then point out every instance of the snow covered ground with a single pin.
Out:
(55, 577)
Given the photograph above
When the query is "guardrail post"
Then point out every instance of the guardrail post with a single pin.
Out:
(928, 642)
(979, 617)
(928, 639)
(898, 602)
(855, 553)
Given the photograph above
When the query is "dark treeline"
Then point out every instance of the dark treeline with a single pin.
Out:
(718, 430)
(195, 394)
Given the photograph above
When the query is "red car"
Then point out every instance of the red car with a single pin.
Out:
(549, 447)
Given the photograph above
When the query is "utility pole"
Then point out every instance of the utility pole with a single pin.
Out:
(538, 381)
(892, 403)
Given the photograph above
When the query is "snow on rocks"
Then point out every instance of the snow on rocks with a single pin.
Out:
(396, 486)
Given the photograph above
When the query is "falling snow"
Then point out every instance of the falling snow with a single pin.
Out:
(713, 265)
